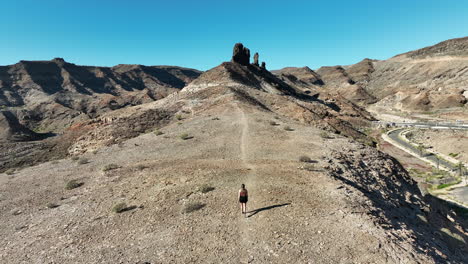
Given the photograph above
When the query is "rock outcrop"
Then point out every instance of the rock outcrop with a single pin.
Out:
(255, 59)
(12, 130)
(241, 54)
(263, 65)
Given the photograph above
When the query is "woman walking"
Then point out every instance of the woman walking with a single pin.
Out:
(243, 198)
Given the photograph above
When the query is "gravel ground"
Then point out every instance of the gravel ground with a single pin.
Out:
(298, 213)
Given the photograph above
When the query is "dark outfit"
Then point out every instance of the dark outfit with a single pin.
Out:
(243, 198)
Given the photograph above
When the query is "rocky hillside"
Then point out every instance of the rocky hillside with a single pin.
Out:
(51, 95)
(427, 79)
(146, 183)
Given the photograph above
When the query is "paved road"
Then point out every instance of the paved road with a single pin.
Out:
(394, 134)
(432, 125)
(460, 194)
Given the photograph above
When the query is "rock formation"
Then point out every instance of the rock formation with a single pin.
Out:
(255, 59)
(241, 54)
(263, 65)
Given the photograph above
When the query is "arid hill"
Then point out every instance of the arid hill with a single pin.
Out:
(158, 182)
(427, 79)
(49, 96)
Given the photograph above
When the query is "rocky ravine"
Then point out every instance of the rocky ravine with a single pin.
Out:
(236, 124)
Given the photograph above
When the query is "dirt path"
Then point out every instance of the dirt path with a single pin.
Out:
(249, 180)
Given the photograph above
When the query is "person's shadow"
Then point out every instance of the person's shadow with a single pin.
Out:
(256, 211)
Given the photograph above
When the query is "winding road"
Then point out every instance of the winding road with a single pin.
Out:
(460, 193)
(396, 136)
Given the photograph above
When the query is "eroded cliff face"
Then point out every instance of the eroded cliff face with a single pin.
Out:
(51, 95)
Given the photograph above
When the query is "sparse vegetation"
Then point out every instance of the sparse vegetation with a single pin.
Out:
(305, 158)
(83, 161)
(52, 205)
(288, 128)
(205, 188)
(179, 117)
(141, 167)
(324, 135)
(453, 155)
(119, 208)
(158, 132)
(10, 171)
(445, 185)
(309, 167)
(109, 167)
(273, 123)
(75, 158)
(73, 184)
(185, 136)
(192, 207)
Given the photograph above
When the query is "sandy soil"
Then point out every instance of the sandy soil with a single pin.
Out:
(296, 216)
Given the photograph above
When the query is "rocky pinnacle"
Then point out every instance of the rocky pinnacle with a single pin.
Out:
(255, 59)
(241, 54)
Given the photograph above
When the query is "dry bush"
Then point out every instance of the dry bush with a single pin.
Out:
(192, 207)
(119, 208)
(305, 158)
(185, 136)
(73, 184)
(205, 188)
(109, 167)
(83, 161)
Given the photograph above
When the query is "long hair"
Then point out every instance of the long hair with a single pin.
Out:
(242, 186)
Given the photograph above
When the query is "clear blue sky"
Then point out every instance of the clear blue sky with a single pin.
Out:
(200, 34)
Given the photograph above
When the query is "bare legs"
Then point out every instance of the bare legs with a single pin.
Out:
(243, 208)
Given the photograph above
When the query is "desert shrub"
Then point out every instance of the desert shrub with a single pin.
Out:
(75, 158)
(157, 132)
(192, 207)
(178, 117)
(205, 188)
(273, 123)
(94, 151)
(185, 136)
(453, 155)
(119, 208)
(141, 167)
(304, 158)
(324, 135)
(215, 118)
(288, 128)
(276, 117)
(83, 161)
(109, 167)
(445, 185)
(52, 205)
(309, 167)
(73, 184)
(10, 171)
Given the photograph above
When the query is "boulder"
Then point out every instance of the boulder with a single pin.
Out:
(241, 54)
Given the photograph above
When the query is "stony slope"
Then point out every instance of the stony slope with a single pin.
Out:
(235, 124)
(51, 95)
(427, 79)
